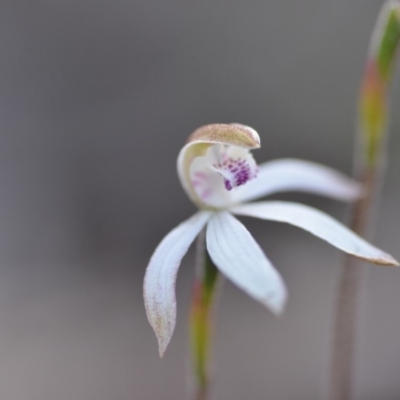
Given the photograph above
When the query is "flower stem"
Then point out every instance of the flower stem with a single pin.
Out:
(201, 313)
(345, 323)
(373, 124)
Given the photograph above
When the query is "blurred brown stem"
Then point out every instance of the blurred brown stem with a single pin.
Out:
(345, 323)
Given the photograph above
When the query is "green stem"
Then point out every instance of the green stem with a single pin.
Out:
(201, 312)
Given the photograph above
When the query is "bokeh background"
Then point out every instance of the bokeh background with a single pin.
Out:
(96, 99)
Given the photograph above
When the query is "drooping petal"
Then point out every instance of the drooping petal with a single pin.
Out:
(160, 278)
(298, 175)
(197, 146)
(237, 255)
(319, 224)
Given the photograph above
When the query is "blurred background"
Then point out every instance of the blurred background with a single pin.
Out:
(96, 100)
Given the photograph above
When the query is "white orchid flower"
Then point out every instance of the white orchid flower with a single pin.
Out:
(219, 174)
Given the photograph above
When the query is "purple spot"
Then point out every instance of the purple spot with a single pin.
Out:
(228, 185)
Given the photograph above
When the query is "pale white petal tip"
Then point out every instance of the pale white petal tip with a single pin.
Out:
(162, 328)
(384, 259)
(276, 301)
(277, 305)
(163, 343)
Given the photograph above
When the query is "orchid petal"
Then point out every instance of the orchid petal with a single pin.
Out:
(298, 175)
(319, 224)
(159, 282)
(238, 256)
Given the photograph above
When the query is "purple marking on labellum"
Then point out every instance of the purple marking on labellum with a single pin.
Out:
(235, 172)
(228, 185)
